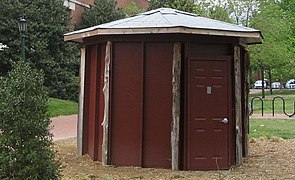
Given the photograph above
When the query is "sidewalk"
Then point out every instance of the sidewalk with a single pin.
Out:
(269, 116)
(64, 127)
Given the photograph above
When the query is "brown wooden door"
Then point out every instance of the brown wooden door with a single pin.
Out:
(208, 138)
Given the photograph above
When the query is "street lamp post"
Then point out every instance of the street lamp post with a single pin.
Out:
(22, 26)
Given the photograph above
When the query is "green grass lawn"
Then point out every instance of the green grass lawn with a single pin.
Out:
(276, 92)
(288, 95)
(272, 127)
(59, 107)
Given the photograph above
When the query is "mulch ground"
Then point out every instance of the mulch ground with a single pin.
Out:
(269, 159)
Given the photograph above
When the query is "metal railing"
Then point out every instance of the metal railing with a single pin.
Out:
(273, 106)
(251, 105)
(284, 106)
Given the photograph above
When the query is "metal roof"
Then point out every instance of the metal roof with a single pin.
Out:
(166, 20)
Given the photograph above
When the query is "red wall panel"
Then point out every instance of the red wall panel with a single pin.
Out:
(93, 107)
(126, 106)
(92, 103)
(86, 101)
(157, 105)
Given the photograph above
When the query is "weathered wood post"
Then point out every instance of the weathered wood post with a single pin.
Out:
(106, 92)
(81, 103)
(176, 70)
(238, 105)
(246, 93)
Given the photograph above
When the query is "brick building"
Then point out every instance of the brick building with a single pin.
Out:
(77, 8)
(141, 4)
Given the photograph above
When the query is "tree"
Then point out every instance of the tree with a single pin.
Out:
(289, 7)
(183, 5)
(103, 11)
(242, 11)
(207, 8)
(45, 48)
(214, 9)
(132, 9)
(154, 4)
(274, 55)
(26, 148)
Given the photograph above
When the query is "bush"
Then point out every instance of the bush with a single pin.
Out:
(26, 147)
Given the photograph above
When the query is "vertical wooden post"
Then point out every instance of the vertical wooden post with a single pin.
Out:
(238, 108)
(246, 115)
(81, 103)
(176, 70)
(106, 92)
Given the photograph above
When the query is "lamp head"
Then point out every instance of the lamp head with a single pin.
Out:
(22, 25)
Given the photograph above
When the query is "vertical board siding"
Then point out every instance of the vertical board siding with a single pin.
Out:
(126, 113)
(86, 101)
(157, 105)
(91, 91)
(93, 104)
(132, 111)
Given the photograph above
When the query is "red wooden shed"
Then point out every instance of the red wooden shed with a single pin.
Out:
(165, 88)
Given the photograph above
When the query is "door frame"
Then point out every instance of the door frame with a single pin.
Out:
(231, 130)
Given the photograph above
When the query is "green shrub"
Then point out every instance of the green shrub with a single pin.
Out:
(26, 147)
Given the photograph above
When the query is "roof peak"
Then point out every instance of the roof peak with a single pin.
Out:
(164, 11)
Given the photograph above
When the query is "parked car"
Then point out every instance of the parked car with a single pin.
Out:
(258, 84)
(290, 84)
(276, 85)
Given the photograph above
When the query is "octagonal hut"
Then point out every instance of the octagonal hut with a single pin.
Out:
(166, 89)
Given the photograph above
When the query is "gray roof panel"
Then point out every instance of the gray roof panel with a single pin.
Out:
(167, 18)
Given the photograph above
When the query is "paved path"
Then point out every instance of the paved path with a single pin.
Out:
(269, 116)
(64, 127)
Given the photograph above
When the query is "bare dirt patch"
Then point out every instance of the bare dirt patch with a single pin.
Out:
(269, 159)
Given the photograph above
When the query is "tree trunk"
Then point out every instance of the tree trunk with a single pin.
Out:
(238, 105)
(81, 103)
(246, 106)
(262, 78)
(106, 92)
(176, 105)
(270, 80)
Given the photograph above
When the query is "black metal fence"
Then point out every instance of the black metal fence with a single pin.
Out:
(284, 106)
(273, 106)
(251, 105)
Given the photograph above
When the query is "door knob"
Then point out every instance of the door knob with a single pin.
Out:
(224, 120)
